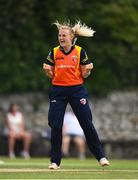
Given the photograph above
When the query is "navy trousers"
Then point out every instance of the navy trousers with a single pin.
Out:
(76, 96)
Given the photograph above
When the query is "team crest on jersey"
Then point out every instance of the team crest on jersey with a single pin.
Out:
(74, 58)
(83, 101)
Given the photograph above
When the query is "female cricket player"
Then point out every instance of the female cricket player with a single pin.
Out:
(67, 65)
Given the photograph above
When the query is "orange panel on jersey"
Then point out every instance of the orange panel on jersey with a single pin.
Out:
(67, 67)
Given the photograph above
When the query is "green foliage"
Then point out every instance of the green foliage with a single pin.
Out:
(26, 36)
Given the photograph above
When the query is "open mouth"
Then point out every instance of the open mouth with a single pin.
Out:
(62, 43)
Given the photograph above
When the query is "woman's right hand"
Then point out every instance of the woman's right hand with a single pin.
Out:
(48, 70)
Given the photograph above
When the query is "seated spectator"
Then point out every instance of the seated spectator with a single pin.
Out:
(15, 129)
(73, 132)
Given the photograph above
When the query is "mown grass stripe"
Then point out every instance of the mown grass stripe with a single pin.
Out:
(65, 170)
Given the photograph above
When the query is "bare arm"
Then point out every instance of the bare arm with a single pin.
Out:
(22, 125)
(8, 125)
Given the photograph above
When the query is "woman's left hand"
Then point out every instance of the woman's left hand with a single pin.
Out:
(86, 70)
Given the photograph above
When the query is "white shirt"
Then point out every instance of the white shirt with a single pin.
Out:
(15, 121)
(71, 125)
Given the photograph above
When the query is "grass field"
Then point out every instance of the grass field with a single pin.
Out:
(36, 168)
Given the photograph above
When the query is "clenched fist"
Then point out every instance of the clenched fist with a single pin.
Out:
(49, 70)
(86, 70)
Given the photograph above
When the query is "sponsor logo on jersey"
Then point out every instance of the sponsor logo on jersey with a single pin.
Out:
(83, 101)
(53, 101)
(62, 66)
(59, 58)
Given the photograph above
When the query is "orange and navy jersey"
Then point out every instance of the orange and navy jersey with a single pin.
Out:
(67, 65)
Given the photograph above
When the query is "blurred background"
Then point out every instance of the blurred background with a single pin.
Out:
(26, 37)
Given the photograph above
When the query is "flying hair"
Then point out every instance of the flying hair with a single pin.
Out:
(78, 29)
(81, 29)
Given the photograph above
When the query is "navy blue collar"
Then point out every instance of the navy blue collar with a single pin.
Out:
(61, 48)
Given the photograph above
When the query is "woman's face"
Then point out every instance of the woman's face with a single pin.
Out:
(65, 38)
(14, 108)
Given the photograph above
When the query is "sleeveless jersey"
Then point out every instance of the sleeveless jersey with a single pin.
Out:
(67, 67)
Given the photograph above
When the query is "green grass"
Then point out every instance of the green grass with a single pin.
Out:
(36, 168)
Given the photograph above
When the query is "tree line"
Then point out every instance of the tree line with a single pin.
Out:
(27, 35)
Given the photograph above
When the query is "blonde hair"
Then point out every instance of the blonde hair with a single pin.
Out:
(78, 29)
